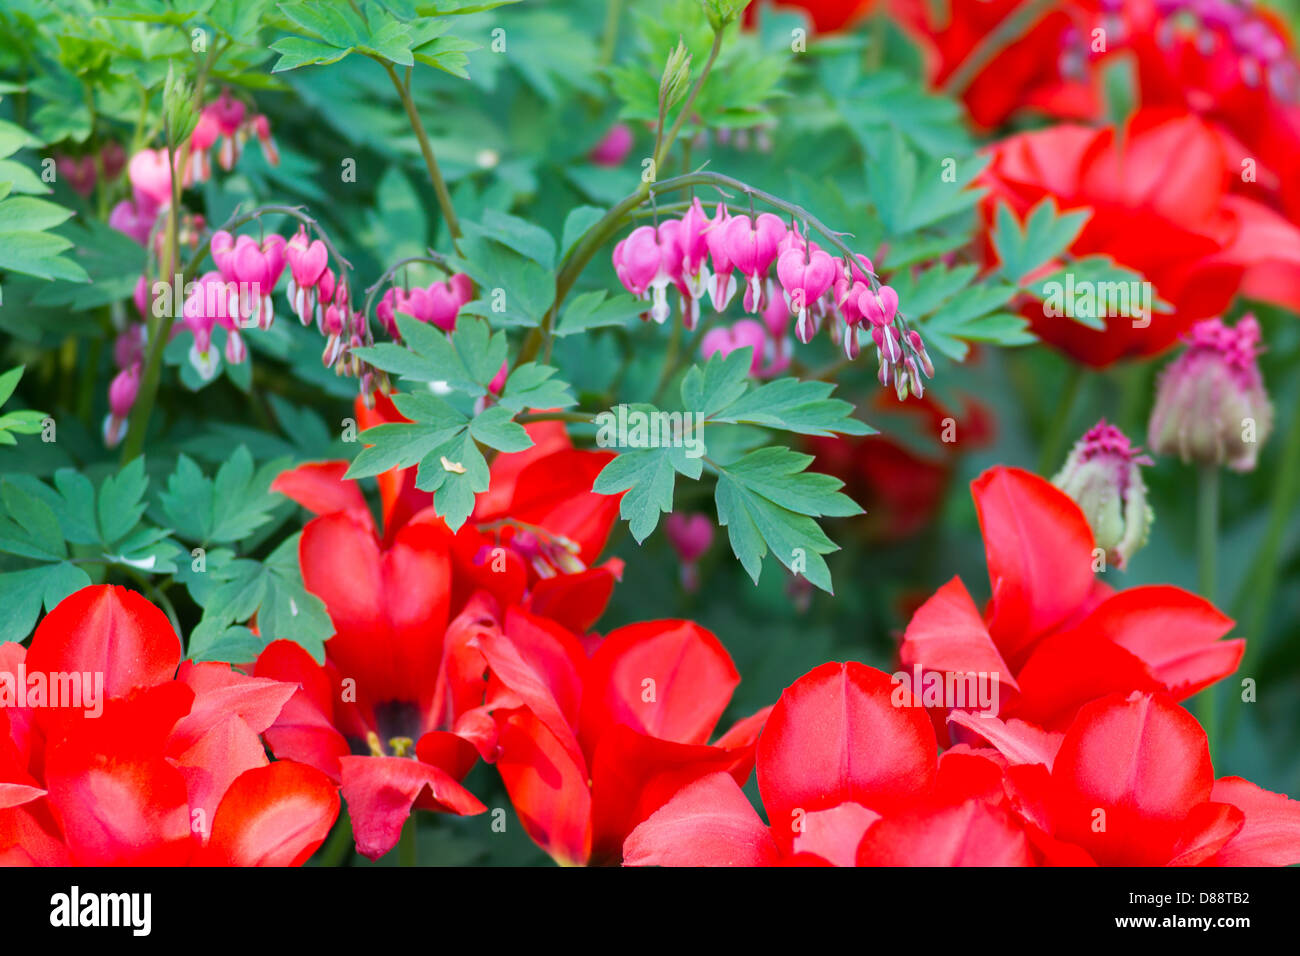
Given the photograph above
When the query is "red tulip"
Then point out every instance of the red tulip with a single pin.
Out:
(589, 747)
(1131, 784)
(535, 535)
(1158, 191)
(1033, 72)
(847, 776)
(1056, 636)
(170, 771)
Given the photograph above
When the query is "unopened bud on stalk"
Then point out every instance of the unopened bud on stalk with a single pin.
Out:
(1103, 476)
(676, 78)
(1211, 406)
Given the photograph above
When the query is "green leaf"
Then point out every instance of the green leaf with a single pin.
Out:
(1046, 234)
(767, 502)
(30, 528)
(295, 52)
(121, 501)
(456, 471)
(576, 224)
(647, 476)
(535, 386)
(594, 310)
(494, 427)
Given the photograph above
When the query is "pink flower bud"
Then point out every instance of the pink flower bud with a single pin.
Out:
(1211, 406)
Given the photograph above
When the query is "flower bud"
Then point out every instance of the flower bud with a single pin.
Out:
(676, 77)
(1103, 476)
(1211, 406)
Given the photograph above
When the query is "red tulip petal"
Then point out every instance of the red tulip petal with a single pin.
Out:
(947, 634)
(117, 800)
(966, 776)
(541, 663)
(707, 823)
(968, 834)
(212, 761)
(555, 493)
(1207, 828)
(26, 839)
(633, 775)
(382, 791)
(1039, 550)
(277, 815)
(576, 601)
(304, 729)
(1270, 835)
(667, 679)
(548, 438)
(109, 630)
(1066, 670)
(389, 608)
(834, 834)
(451, 752)
(321, 488)
(549, 791)
(1128, 772)
(1175, 633)
(835, 737)
(1019, 742)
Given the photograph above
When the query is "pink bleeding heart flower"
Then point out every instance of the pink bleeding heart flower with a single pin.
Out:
(151, 176)
(122, 392)
(690, 536)
(752, 247)
(262, 130)
(128, 347)
(134, 218)
(613, 146)
(387, 306)
(499, 380)
(210, 300)
(650, 259)
(723, 286)
(805, 277)
(78, 172)
(228, 113)
(257, 269)
(308, 261)
(724, 340)
(142, 298)
(695, 249)
(463, 286)
(113, 159)
(879, 307)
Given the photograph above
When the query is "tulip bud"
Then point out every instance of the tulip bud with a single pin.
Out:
(1102, 474)
(1211, 406)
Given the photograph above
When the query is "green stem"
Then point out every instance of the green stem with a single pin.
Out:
(1011, 29)
(1057, 436)
(338, 847)
(612, 221)
(407, 849)
(609, 40)
(1261, 581)
(577, 418)
(666, 143)
(426, 149)
(1207, 533)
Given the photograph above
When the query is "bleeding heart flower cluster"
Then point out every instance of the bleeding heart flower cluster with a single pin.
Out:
(438, 304)
(698, 255)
